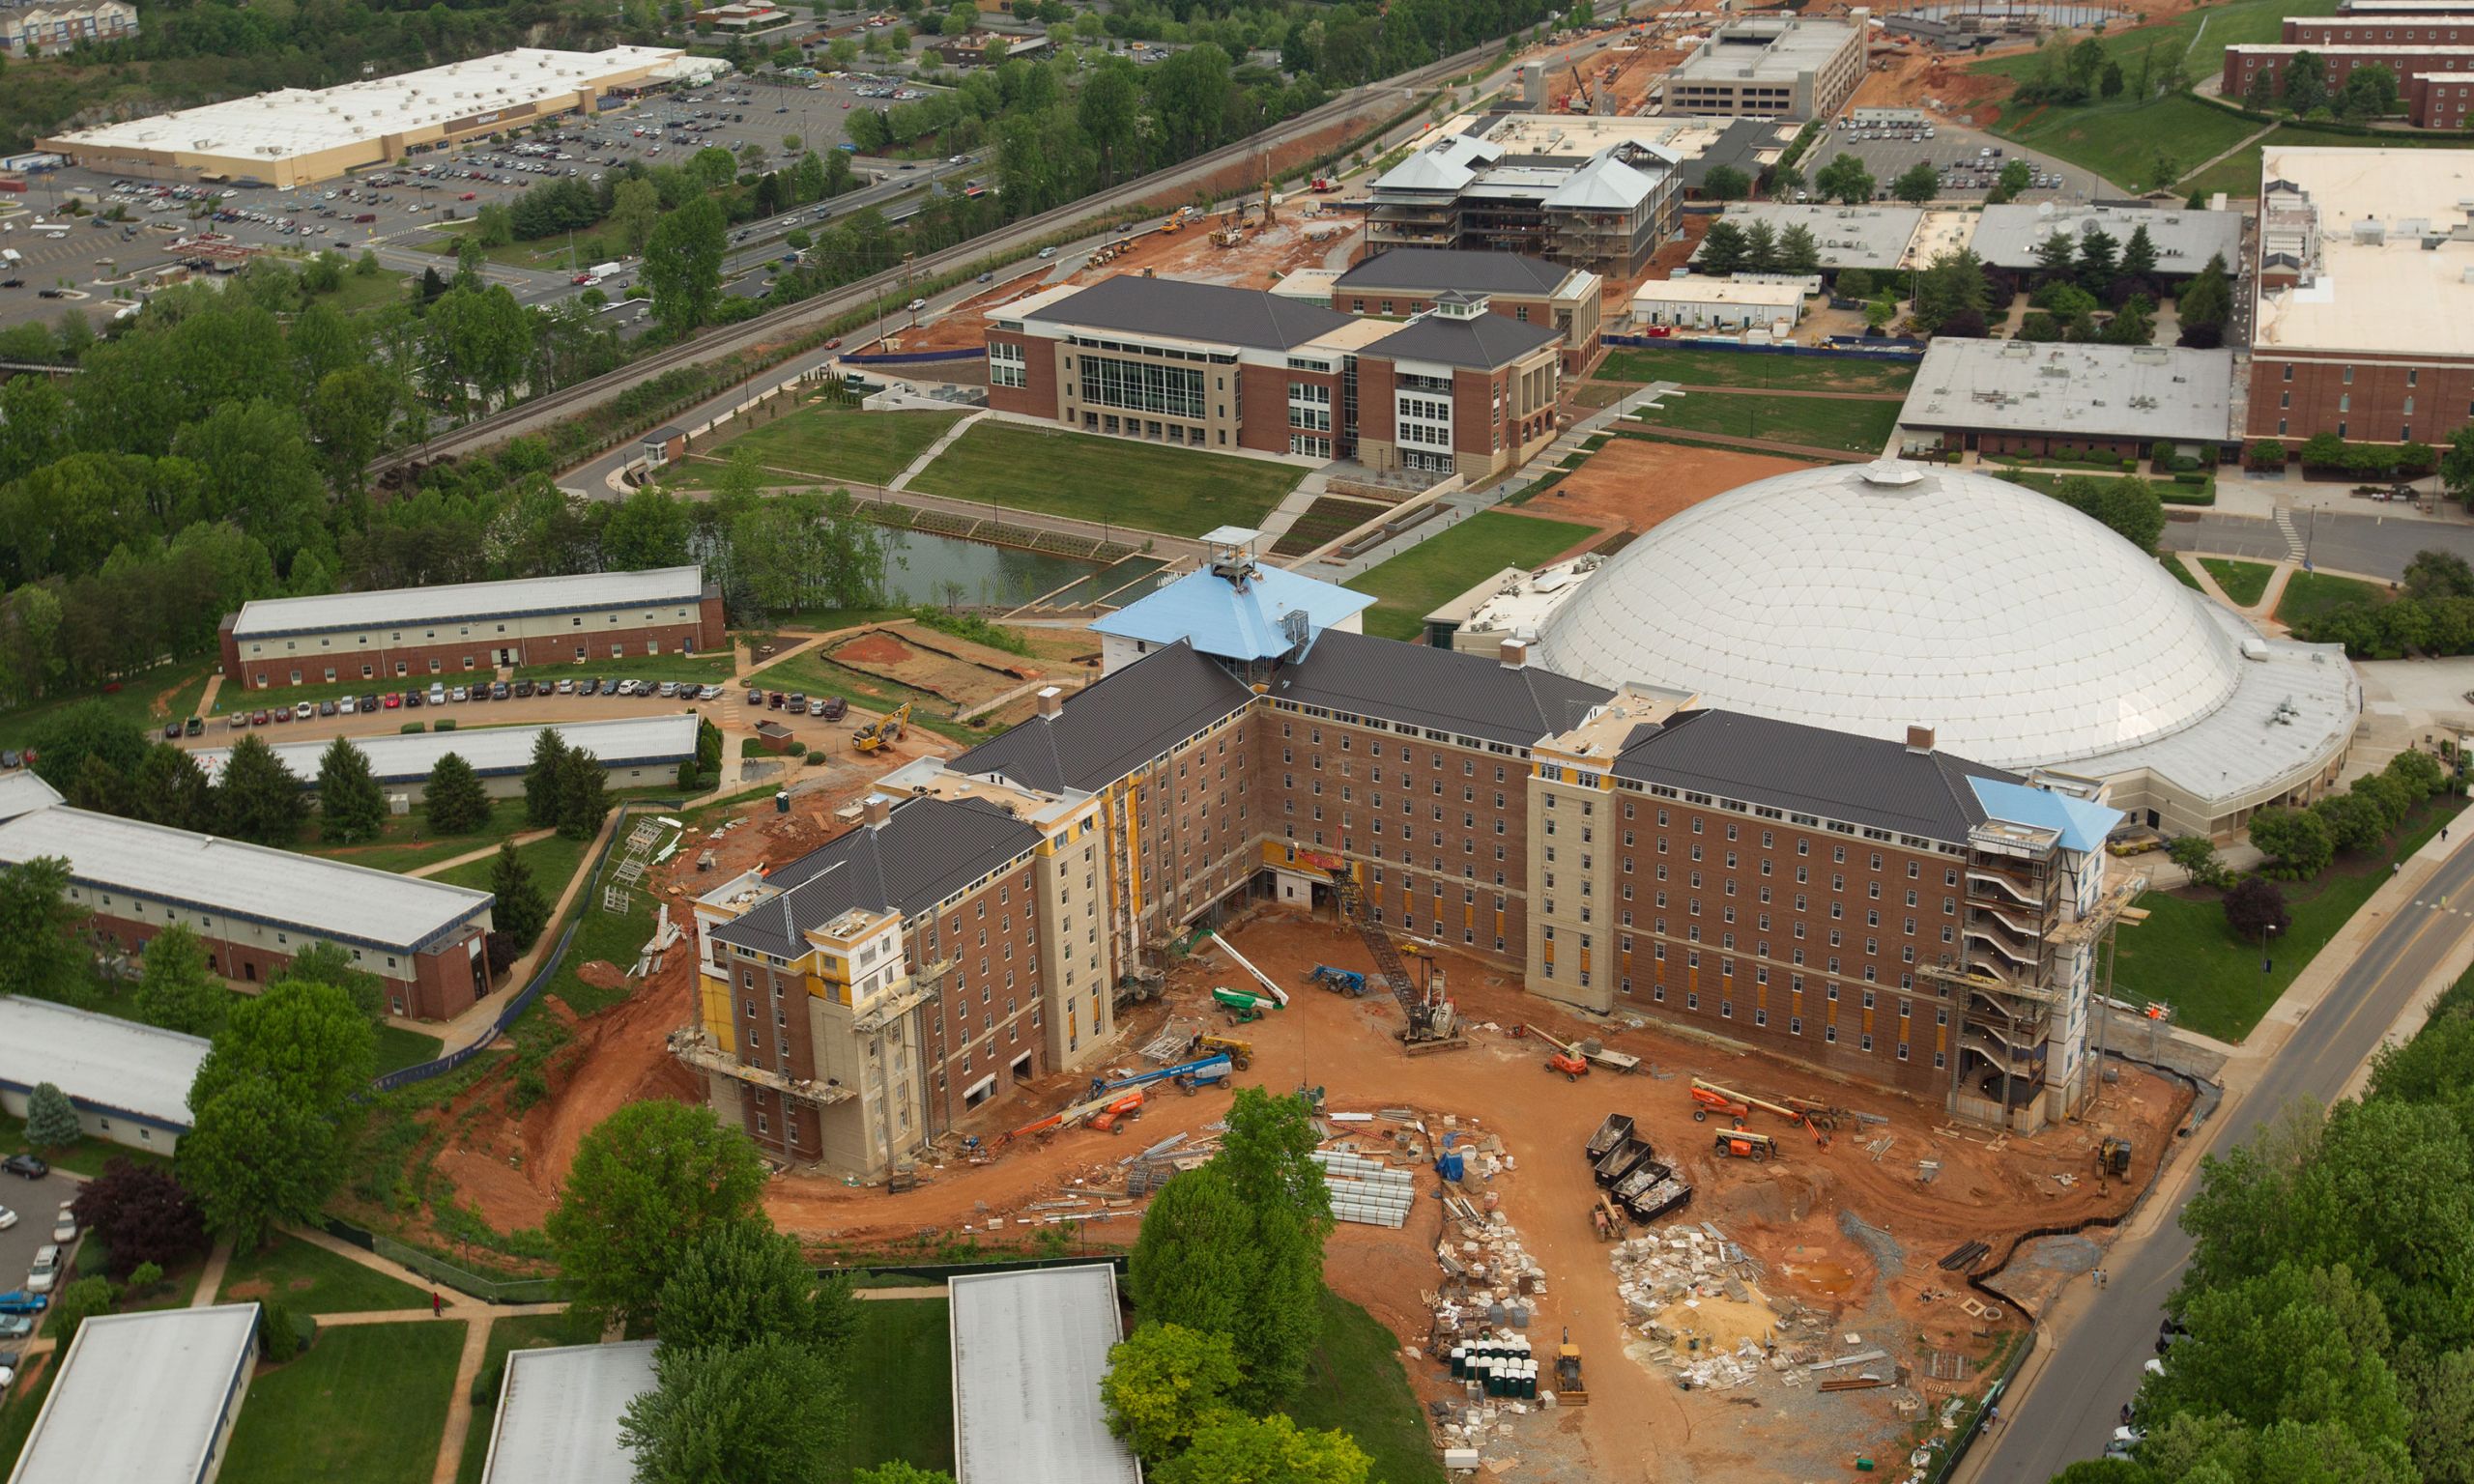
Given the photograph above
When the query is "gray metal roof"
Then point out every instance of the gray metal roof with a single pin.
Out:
(1764, 48)
(22, 792)
(2144, 391)
(559, 1412)
(102, 1062)
(465, 602)
(926, 851)
(141, 1397)
(1466, 695)
(1811, 770)
(1739, 144)
(1109, 728)
(1866, 237)
(410, 757)
(1481, 341)
(1430, 269)
(2008, 235)
(319, 899)
(1179, 310)
(1029, 1352)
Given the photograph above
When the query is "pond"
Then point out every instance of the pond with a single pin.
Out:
(924, 567)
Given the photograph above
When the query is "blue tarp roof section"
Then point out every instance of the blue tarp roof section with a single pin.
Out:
(1218, 618)
(2083, 825)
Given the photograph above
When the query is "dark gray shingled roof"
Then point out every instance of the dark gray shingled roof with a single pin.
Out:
(1811, 770)
(1195, 311)
(927, 849)
(1426, 269)
(1467, 695)
(1483, 341)
(1109, 728)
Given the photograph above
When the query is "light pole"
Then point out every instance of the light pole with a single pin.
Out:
(2266, 963)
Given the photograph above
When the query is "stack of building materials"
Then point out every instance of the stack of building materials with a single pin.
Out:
(1366, 1190)
(1661, 1275)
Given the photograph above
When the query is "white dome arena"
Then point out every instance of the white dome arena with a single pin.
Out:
(1869, 599)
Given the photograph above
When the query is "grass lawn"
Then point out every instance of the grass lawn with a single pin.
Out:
(179, 685)
(899, 1373)
(2182, 574)
(553, 862)
(407, 844)
(516, 1332)
(1179, 491)
(86, 1156)
(603, 244)
(372, 291)
(174, 1293)
(367, 1404)
(2123, 142)
(1694, 367)
(1330, 516)
(312, 1280)
(1814, 423)
(611, 937)
(2244, 582)
(822, 443)
(2186, 957)
(2310, 595)
(400, 1047)
(1355, 1383)
(1433, 572)
(18, 1410)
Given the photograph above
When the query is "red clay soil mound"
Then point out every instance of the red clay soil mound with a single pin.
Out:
(875, 648)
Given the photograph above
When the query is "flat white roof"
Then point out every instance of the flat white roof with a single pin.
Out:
(2356, 225)
(293, 122)
(1866, 237)
(141, 1397)
(2008, 235)
(2145, 391)
(320, 899)
(1717, 291)
(1030, 1350)
(412, 756)
(460, 602)
(22, 792)
(101, 1061)
(559, 1412)
(1764, 48)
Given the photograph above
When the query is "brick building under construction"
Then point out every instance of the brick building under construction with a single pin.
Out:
(1879, 908)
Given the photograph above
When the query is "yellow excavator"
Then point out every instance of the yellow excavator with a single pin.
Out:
(883, 729)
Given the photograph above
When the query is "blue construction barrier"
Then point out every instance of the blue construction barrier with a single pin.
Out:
(1848, 348)
(914, 357)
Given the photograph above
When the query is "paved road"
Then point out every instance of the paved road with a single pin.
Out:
(2076, 1399)
(2368, 544)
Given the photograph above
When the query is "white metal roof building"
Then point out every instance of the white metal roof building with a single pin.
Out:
(23, 792)
(225, 878)
(469, 602)
(1030, 1351)
(2059, 393)
(1869, 599)
(559, 1412)
(124, 1076)
(632, 743)
(144, 1399)
(294, 135)
(1865, 237)
(2008, 235)
(1716, 302)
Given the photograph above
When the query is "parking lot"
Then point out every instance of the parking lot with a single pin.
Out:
(37, 1202)
(1957, 154)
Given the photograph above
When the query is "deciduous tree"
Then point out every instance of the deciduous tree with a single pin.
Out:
(740, 1281)
(2296, 844)
(40, 956)
(1238, 1449)
(1164, 1383)
(140, 1214)
(646, 1185)
(770, 1410)
(683, 261)
(2255, 908)
(176, 987)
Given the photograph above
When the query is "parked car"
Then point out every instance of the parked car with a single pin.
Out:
(393, 700)
(301, 711)
(15, 1326)
(258, 718)
(438, 693)
(19, 1301)
(415, 698)
(831, 708)
(64, 1226)
(26, 1166)
(194, 727)
(566, 687)
(348, 706)
(46, 1273)
(7, 1218)
(667, 689)
(327, 708)
(369, 702)
(172, 730)
(755, 698)
(456, 695)
(773, 701)
(498, 689)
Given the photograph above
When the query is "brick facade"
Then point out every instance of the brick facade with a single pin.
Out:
(2244, 63)
(436, 984)
(2362, 398)
(2379, 30)
(409, 653)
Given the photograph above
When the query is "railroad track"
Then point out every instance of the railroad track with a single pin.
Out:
(525, 415)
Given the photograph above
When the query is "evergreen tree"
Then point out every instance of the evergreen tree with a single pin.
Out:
(541, 779)
(519, 911)
(2139, 255)
(1797, 252)
(171, 789)
(51, 1119)
(584, 797)
(2204, 305)
(260, 799)
(352, 809)
(1722, 248)
(455, 803)
(2055, 258)
(1761, 247)
(2097, 261)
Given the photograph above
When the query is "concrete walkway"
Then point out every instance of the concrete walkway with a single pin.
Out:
(928, 455)
(484, 853)
(210, 1278)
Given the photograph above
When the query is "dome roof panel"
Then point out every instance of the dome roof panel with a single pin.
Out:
(2022, 631)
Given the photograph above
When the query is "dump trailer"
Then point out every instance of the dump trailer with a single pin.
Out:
(1629, 1154)
(1648, 1200)
(1615, 1130)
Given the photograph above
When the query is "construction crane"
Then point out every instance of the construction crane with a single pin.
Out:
(1189, 1075)
(1717, 1095)
(883, 730)
(1578, 101)
(1433, 1025)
